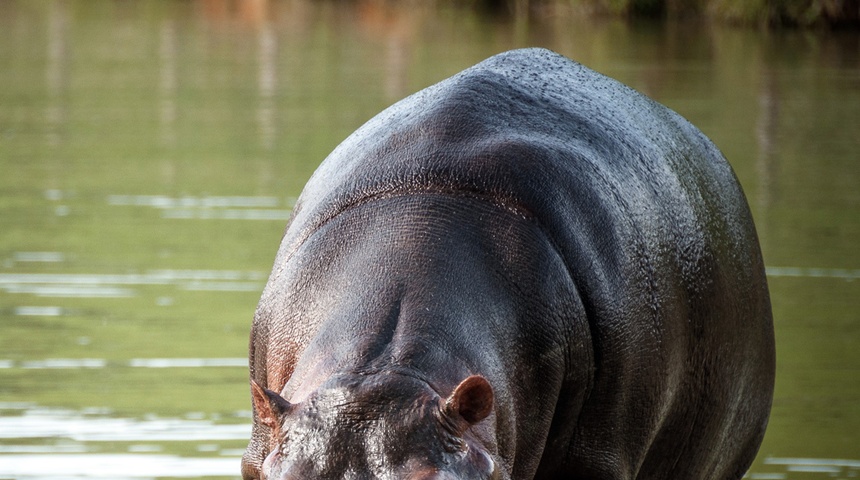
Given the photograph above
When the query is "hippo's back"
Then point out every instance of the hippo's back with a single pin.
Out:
(651, 225)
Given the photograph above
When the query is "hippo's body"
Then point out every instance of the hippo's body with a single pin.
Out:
(525, 271)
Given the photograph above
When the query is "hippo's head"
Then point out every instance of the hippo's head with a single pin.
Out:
(375, 427)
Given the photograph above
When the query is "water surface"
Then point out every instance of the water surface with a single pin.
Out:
(150, 154)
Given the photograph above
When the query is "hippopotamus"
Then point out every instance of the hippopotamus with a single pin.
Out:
(526, 271)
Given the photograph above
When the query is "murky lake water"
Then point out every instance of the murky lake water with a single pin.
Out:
(150, 153)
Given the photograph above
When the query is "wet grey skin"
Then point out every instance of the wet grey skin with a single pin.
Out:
(526, 271)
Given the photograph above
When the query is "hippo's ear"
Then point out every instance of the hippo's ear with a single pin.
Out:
(472, 400)
(270, 406)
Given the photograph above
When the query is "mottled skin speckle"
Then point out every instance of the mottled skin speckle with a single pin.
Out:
(525, 271)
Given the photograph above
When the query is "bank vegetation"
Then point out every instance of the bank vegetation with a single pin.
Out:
(766, 13)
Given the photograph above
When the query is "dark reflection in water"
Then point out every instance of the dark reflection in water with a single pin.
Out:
(151, 152)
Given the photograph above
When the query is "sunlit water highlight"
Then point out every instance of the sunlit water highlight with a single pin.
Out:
(38, 257)
(112, 466)
(210, 207)
(90, 363)
(826, 467)
(65, 285)
(58, 443)
(842, 273)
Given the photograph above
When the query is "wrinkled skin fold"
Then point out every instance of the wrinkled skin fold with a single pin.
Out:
(526, 271)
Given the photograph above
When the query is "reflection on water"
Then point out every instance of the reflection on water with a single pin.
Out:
(44, 443)
(100, 286)
(62, 363)
(113, 466)
(842, 273)
(73, 363)
(36, 423)
(188, 362)
(39, 311)
(46, 257)
(809, 468)
(151, 153)
(227, 214)
(163, 201)
(213, 208)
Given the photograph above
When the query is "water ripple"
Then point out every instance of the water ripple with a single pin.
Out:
(113, 466)
(94, 363)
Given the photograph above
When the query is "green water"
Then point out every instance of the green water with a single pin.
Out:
(150, 152)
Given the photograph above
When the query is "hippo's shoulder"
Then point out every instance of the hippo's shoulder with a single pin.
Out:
(539, 72)
(545, 79)
(520, 127)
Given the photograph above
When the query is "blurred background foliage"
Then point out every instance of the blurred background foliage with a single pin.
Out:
(770, 13)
